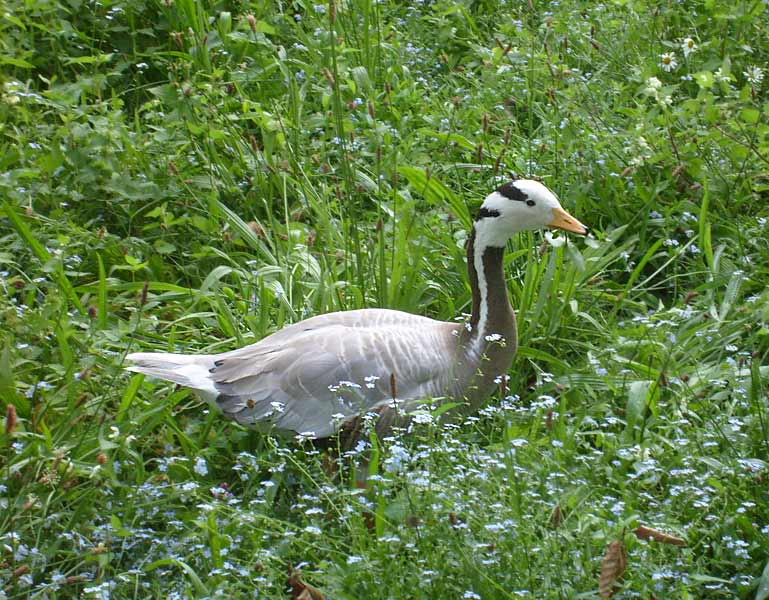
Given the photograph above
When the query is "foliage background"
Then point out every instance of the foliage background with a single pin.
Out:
(191, 176)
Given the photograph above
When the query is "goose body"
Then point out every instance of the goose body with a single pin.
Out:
(320, 374)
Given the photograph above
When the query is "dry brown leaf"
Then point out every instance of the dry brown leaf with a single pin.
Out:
(301, 590)
(10, 419)
(647, 533)
(556, 517)
(21, 570)
(369, 519)
(612, 568)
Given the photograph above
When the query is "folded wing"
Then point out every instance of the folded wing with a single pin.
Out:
(311, 377)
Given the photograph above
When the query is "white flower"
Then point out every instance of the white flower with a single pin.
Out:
(652, 89)
(653, 83)
(668, 61)
(554, 241)
(398, 456)
(423, 418)
(721, 77)
(688, 46)
(754, 75)
(201, 468)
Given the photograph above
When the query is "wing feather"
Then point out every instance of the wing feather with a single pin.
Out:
(311, 376)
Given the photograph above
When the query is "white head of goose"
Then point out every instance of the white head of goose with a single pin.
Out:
(320, 375)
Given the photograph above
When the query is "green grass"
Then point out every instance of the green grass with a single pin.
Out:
(193, 176)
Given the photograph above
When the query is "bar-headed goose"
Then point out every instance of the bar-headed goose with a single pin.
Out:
(314, 376)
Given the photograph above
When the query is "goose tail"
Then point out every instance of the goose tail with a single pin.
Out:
(191, 371)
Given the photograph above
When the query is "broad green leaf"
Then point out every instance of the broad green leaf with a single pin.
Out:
(635, 408)
(163, 247)
(263, 27)
(361, 78)
(117, 527)
(704, 79)
(750, 115)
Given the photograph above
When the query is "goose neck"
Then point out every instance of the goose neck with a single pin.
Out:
(492, 312)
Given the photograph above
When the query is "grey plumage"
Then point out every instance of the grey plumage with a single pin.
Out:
(312, 376)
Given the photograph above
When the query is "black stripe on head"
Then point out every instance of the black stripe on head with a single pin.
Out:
(487, 212)
(511, 191)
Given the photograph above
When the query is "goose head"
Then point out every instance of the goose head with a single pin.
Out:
(521, 205)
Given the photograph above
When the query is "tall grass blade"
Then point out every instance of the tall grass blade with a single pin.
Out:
(129, 395)
(704, 233)
(200, 588)
(101, 295)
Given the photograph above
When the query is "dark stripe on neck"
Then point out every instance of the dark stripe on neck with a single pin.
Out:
(472, 275)
(496, 299)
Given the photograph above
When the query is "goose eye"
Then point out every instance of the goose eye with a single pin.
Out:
(530, 202)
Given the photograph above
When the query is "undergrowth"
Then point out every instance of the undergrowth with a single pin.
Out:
(189, 176)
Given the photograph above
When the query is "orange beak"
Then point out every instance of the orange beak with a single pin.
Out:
(563, 220)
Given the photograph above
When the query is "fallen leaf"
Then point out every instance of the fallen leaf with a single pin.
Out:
(647, 533)
(612, 568)
(301, 590)
(556, 517)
